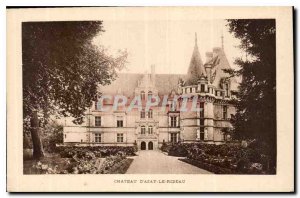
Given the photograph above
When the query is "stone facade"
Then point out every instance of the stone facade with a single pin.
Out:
(163, 123)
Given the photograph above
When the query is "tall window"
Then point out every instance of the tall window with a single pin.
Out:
(143, 114)
(173, 105)
(97, 120)
(143, 130)
(150, 129)
(191, 89)
(201, 129)
(120, 137)
(96, 104)
(224, 112)
(173, 121)
(226, 90)
(201, 122)
(142, 95)
(149, 95)
(202, 88)
(150, 113)
(119, 121)
(97, 137)
(173, 137)
(201, 133)
(201, 109)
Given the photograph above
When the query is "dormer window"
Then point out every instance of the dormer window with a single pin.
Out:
(172, 106)
(226, 90)
(96, 103)
(224, 112)
(142, 95)
(202, 88)
(149, 95)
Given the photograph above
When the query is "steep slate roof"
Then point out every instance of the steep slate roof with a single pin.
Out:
(223, 64)
(126, 83)
(196, 67)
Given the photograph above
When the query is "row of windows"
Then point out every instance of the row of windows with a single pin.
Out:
(142, 98)
(120, 120)
(98, 121)
(143, 130)
(150, 113)
(210, 90)
(143, 95)
(120, 136)
(224, 115)
(98, 137)
(202, 136)
(202, 89)
(190, 89)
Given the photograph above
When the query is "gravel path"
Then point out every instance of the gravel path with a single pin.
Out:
(156, 162)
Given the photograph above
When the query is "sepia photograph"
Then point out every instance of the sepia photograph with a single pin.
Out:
(151, 96)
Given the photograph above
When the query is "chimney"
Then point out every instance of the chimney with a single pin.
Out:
(153, 74)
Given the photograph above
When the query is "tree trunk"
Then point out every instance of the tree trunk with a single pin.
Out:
(38, 151)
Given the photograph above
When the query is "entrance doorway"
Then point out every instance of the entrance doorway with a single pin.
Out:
(150, 146)
(143, 145)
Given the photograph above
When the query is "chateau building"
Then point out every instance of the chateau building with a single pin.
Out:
(205, 86)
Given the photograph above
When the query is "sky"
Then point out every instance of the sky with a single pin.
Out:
(167, 44)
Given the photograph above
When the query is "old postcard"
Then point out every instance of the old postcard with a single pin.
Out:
(150, 99)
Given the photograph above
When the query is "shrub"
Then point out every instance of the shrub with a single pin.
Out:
(98, 151)
(52, 135)
(240, 160)
(178, 150)
(81, 160)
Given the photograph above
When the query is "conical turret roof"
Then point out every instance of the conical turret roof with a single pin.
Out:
(196, 68)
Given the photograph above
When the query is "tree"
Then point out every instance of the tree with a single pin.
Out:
(61, 72)
(52, 134)
(256, 98)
